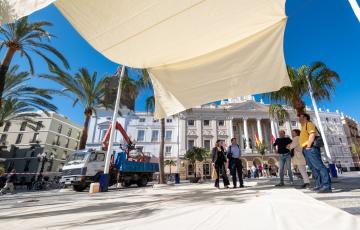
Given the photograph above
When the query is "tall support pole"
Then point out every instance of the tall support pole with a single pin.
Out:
(178, 143)
(321, 128)
(112, 131)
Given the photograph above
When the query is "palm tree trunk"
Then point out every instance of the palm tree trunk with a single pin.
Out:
(298, 105)
(85, 130)
(3, 70)
(161, 154)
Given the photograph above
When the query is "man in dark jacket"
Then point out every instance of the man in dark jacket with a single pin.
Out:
(234, 154)
(282, 145)
(10, 180)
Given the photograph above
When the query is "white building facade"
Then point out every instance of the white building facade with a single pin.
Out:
(242, 117)
(54, 135)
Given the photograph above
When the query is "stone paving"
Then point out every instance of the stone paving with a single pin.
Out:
(144, 202)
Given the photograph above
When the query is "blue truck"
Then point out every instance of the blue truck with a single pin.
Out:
(86, 166)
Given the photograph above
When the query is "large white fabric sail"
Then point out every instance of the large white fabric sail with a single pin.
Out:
(196, 51)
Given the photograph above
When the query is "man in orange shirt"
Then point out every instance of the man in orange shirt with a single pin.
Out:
(312, 155)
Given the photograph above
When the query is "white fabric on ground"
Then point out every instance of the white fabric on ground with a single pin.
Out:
(197, 51)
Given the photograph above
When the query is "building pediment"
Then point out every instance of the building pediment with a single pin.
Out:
(248, 106)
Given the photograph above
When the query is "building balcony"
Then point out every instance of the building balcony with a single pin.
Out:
(192, 132)
(207, 132)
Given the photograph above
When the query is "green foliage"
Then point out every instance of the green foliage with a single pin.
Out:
(196, 154)
(82, 87)
(322, 79)
(13, 109)
(170, 163)
(261, 148)
(26, 37)
(16, 86)
(278, 111)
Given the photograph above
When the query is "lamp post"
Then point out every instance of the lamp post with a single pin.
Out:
(321, 129)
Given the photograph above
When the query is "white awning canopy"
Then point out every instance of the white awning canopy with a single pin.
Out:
(196, 51)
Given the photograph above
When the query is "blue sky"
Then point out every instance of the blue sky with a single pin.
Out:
(325, 30)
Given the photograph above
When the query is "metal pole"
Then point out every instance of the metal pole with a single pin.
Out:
(178, 152)
(112, 131)
(321, 129)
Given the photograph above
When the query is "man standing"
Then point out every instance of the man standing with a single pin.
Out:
(282, 145)
(10, 180)
(234, 154)
(313, 156)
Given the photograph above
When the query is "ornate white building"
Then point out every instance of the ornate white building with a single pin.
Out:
(242, 117)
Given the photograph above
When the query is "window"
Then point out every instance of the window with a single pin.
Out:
(190, 170)
(141, 119)
(168, 135)
(207, 144)
(234, 127)
(155, 120)
(27, 164)
(23, 126)
(293, 123)
(19, 138)
(100, 157)
(57, 140)
(221, 123)
(191, 144)
(281, 123)
(39, 125)
(77, 145)
(78, 136)
(168, 150)
(141, 135)
(35, 137)
(155, 135)
(191, 122)
(206, 122)
(69, 132)
(340, 140)
(64, 155)
(206, 169)
(168, 120)
(59, 128)
(3, 138)
(327, 119)
(67, 143)
(7, 126)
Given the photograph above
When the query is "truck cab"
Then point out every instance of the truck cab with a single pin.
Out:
(82, 167)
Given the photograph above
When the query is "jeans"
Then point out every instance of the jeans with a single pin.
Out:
(319, 171)
(221, 167)
(285, 161)
(236, 168)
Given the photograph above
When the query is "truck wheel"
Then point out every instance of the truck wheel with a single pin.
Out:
(126, 184)
(79, 187)
(142, 182)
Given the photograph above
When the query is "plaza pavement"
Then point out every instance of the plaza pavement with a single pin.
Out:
(188, 206)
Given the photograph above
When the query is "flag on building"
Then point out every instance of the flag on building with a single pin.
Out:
(273, 138)
(257, 141)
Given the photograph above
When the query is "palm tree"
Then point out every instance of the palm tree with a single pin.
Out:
(170, 163)
(13, 109)
(16, 86)
(150, 106)
(83, 87)
(24, 37)
(196, 154)
(322, 79)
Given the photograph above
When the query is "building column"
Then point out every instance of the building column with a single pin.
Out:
(288, 127)
(273, 131)
(258, 122)
(247, 148)
(276, 126)
(231, 130)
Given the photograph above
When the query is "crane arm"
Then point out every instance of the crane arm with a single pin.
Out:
(118, 126)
